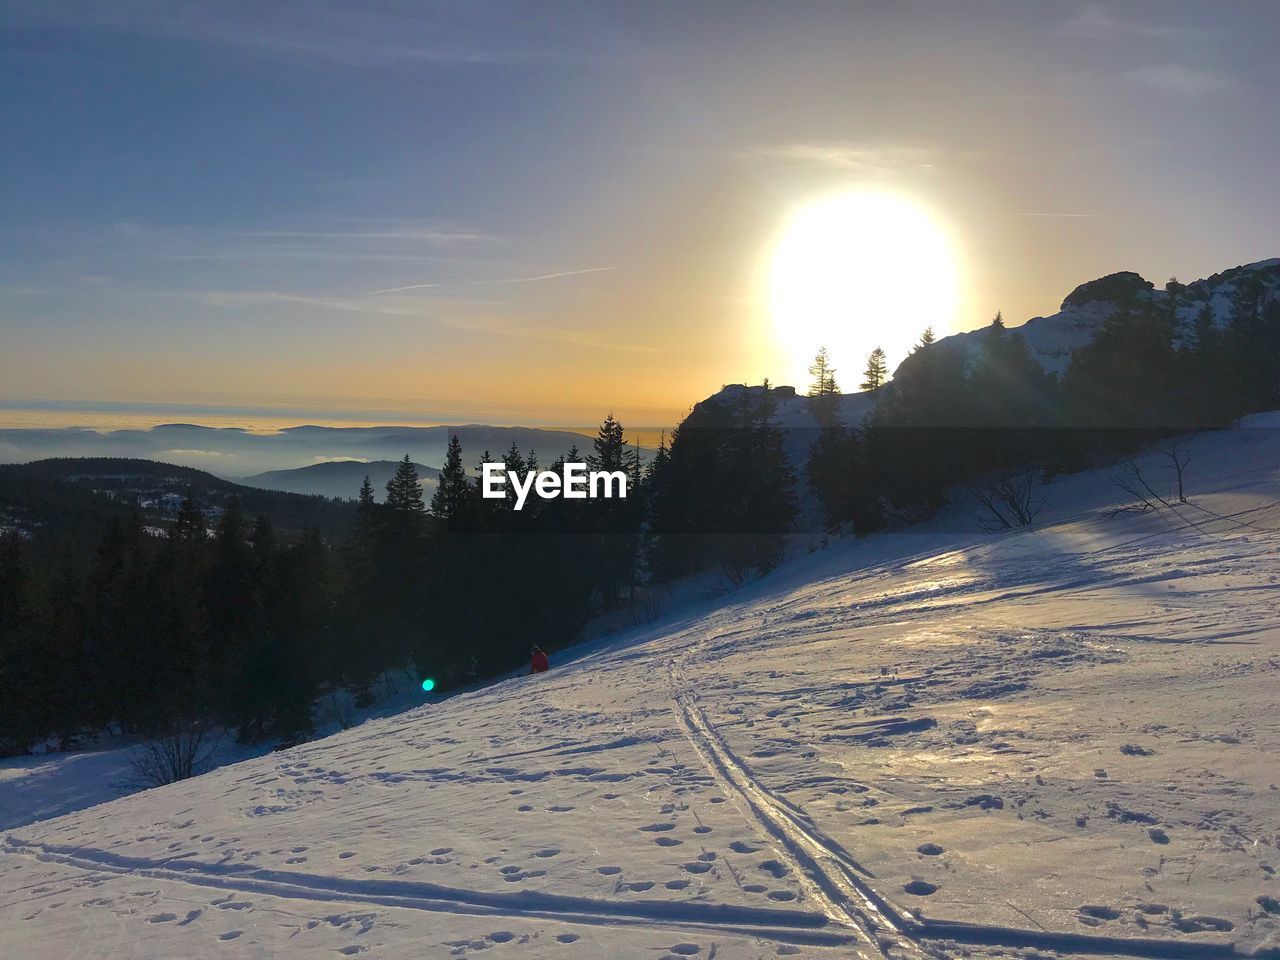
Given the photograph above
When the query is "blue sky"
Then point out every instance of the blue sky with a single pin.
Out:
(208, 202)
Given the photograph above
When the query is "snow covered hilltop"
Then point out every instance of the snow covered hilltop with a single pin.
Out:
(933, 744)
(1053, 339)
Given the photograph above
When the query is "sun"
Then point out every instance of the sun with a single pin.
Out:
(858, 270)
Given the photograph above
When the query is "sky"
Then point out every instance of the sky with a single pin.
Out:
(540, 213)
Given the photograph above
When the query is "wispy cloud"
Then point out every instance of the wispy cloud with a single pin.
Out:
(1095, 22)
(873, 159)
(368, 34)
(1175, 79)
(461, 316)
(509, 327)
(491, 282)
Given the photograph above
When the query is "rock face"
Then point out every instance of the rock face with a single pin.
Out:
(1053, 339)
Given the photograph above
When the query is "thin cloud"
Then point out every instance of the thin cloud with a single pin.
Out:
(1069, 216)
(862, 159)
(1095, 22)
(504, 326)
(492, 282)
(1175, 79)
(367, 35)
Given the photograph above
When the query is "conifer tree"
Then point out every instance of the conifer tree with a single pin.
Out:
(453, 491)
(876, 372)
(823, 392)
(404, 491)
(610, 448)
(824, 375)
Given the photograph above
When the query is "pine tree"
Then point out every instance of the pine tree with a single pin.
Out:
(823, 392)
(189, 526)
(404, 491)
(366, 498)
(927, 339)
(824, 375)
(876, 372)
(453, 492)
(610, 448)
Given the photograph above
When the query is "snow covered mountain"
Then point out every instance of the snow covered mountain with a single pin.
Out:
(1053, 339)
(941, 743)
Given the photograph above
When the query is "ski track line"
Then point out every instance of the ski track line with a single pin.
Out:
(780, 926)
(834, 881)
(821, 866)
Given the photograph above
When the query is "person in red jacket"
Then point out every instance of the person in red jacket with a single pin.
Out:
(538, 662)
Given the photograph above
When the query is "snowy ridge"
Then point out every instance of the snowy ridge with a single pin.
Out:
(932, 744)
(1053, 339)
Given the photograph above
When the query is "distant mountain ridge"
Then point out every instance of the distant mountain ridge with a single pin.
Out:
(339, 478)
(235, 452)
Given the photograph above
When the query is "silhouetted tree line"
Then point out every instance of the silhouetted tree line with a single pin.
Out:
(245, 626)
(229, 622)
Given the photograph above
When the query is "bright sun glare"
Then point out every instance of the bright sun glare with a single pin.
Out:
(856, 271)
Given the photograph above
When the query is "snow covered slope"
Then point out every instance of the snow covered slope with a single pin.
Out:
(930, 744)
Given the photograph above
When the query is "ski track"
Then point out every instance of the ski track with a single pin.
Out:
(835, 880)
(827, 872)
(790, 927)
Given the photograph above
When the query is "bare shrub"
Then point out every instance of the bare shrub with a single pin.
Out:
(338, 706)
(184, 751)
(645, 607)
(1009, 498)
(1178, 457)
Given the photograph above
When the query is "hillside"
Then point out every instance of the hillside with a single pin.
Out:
(942, 743)
(71, 492)
(339, 479)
